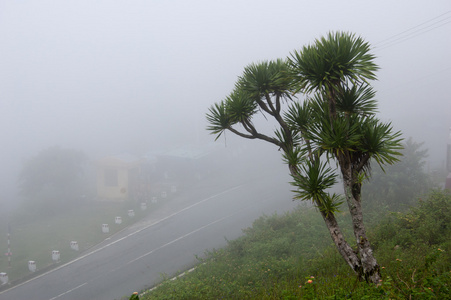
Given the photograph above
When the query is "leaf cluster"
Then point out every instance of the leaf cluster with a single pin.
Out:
(339, 57)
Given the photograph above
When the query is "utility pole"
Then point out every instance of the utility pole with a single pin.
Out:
(448, 163)
(9, 254)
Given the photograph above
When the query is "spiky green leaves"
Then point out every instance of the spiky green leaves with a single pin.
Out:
(312, 181)
(218, 119)
(266, 78)
(261, 87)
(353, 137)
(240, 107)
(339, 57)
(298, 116)
(357, 99)
(380, 142)
(294, 157)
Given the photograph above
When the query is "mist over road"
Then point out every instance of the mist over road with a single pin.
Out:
(165, 242)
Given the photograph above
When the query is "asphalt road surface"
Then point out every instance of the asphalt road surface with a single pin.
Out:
(167, 242)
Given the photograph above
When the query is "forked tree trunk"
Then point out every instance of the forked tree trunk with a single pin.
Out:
(370, 270)
(343, 247)
(363, 263)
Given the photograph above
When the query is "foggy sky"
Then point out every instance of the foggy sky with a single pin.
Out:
(133, 76)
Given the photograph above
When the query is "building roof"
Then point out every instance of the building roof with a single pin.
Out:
(193, 152)
(120, 160)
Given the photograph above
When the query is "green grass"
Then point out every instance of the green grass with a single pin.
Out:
(291, 257)
(34, 237)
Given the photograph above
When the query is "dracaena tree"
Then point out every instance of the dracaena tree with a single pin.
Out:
(333, 132)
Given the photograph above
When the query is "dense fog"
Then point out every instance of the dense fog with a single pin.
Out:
(110, 77)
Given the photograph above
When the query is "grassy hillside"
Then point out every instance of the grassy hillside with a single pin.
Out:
(291, 257)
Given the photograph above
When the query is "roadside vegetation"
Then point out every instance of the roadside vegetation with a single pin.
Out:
(291, 256)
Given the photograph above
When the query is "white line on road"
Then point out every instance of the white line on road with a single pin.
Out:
(67, 292)
(181, 237)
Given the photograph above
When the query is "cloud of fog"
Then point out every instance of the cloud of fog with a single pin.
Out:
(113, 76)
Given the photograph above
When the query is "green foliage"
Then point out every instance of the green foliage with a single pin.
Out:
(333, 136)
(428, 223)
(290, 257)
(298, 116)
(380, 142)
(357, 136)
(240, 107)
(359, 99)
(312, 182)
(338, 57)
(218, 119)
(318, 177)
(415, 248)
(269, 252)
(266, 78)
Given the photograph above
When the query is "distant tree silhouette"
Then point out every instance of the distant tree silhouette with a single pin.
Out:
(54, 175)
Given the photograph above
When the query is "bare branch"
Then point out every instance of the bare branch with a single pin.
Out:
(247, 136)
(264, 107)
(363, 162)
(249, 127)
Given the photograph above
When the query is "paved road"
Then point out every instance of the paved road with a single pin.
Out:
(165, 243)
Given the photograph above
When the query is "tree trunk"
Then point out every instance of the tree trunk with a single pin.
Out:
(343, 247)
(349, 255)
(370, 270)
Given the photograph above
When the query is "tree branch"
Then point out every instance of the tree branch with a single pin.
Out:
(249, 127)
(247, 136)
(256, 135)
(264, 107)
(363, 162)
